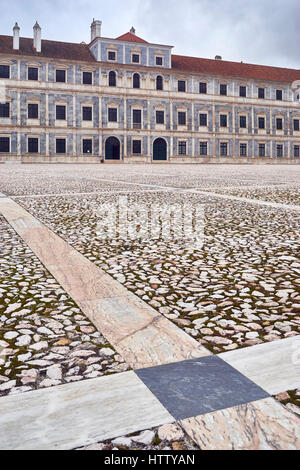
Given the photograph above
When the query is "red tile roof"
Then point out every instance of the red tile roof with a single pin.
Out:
(50, 49)
(233, 69)
(131, 38)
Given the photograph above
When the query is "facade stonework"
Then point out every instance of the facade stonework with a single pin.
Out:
(127, 100)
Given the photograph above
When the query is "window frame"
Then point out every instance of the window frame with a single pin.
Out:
(136, 81)
(8, 140)
(223, 145)
(111, 51)
(180, 115)
(162, 60)
(242, 117)
(224, 87)
(111, 110)
(244, 87)
(4, 67)
(30, 138)
(84, 72)
(57, 71)
(201, 116)
(61, 139)
(182, 147)
(244, 152)
(225, 117)
(136, 54)
(84, 110)
(86, 139)
(205, 86)
(157, 113)
(183, 84)
(261, 91)
(31, 67)
(6, 106)
(29, 105)
(203, 145)
(261, 149)
(133, 142)
(58, 107)
(260, 118)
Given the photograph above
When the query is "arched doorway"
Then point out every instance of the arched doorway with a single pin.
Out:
(160, 149)
(112, 149)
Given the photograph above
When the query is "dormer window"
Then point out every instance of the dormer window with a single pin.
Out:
(135, 58)
(111, 55)
(158, 60)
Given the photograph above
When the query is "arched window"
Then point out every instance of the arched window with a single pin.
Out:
(112, 79)
(159, 82)
(136, 80)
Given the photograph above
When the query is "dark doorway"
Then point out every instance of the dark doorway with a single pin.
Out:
(112, 149)
(160, 149)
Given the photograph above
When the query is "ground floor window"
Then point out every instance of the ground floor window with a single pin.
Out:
(4, 110)
(5, 144)
(87, 146)
(182, 147)
(262, 150)
(243, 150)
(60, 145)
(223, 149)
(279, 151)
(137, 147)
(203, 148)
(296, 151)
(33, 145)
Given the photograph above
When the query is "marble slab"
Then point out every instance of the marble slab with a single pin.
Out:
(199, 386)
(261, 425)
(79, 414)
(275, 366)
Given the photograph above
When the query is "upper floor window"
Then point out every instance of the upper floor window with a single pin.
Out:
(4, 71)
(4, 110)
(33, 145)
(87, 113)
(60, 75)
(61, 112)
(112, 81)
(87, 78)
(203, 119)
(136, 80)
(279, 123)
(279, 95)
(182, 118)
(182, 147)
(111, 55)
(158, 60)
(5, 144)
(223, 120)
(137, 118)
(112, 114)
(296, 124)
(135, 58)
(160, 117)
(203, 87)
(261, 122)
(159, 82)
(223, 89)
(243, 91)
(181, 85)
(33, 73)
(243, 122)
(33, 111)
(261, 93)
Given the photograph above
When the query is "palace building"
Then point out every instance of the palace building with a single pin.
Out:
(129, 100)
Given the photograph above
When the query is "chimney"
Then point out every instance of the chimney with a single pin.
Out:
(37, 40)
(218, 57)
(16, 37)
(95, 29)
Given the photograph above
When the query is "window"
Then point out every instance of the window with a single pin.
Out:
(182, 147)
(60, 145)
(135, 58)
(4, 72)
(61, 76)
(4, 144)
(243, 122)
(181, 85)
(33, 111)
(279, 150)
(279, 123)
(223, 120)
(296, 124)
(4, 110)
(261, 93)
(181, 118)
(158, 60)
(296, 151)
(87, 78)
(160, 117)
(243, 150)
(137, 118)
(136, 80)
(111, 55)
(87, 113)
(262, 150)
(112, 114)
(279, 95)
(60, 112)
(203, 87)
(112, 79)
(87, 146)
(33, 145)
(203, 119)
(223, 149)
(243, 91)
(261, 122)
(33, 73)
(203, 148)
(159, 82)
(223, 89)
(137, 147)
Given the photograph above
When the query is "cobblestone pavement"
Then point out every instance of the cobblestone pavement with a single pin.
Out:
(291, 400)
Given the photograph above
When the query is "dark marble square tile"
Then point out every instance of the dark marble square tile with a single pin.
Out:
(199, 386)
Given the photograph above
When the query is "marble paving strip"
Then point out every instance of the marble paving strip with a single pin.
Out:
(78, 414)
(138, 332)
(274, 366)
(260, 425)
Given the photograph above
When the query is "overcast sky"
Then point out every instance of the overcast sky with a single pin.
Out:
(253, 31)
